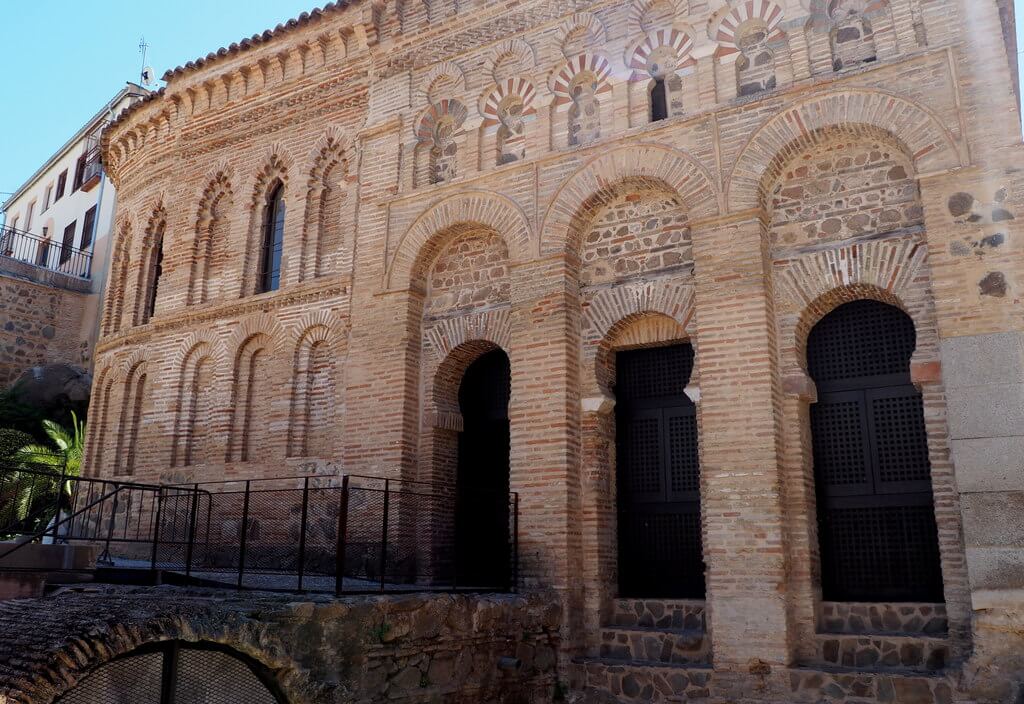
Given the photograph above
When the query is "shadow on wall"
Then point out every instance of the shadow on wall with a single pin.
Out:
(51, 392)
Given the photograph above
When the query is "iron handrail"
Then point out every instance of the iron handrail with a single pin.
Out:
(383, 539)
(54, 528)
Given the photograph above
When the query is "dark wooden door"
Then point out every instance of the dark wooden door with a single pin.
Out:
(876, 513)
(483, 544)
(658, 471)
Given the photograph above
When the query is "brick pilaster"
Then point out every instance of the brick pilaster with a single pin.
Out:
(740, 446)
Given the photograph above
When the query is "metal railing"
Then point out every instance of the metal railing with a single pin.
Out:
(45, 253)
(341, 535)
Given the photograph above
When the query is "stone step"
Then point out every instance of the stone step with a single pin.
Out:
(882, 651)
(813, 685)
(659, 613)
(679, 646)
(901, 619)
(601, 680)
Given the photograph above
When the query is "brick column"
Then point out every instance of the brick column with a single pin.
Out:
(740, 445)
(544, 414)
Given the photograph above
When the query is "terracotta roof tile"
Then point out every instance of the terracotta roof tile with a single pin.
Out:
(235, 48)
(257, 39)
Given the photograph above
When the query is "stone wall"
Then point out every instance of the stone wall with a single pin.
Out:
(459, 649)
(44, 319)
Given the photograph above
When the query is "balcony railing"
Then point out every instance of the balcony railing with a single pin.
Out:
(93, 169)
(43, 252)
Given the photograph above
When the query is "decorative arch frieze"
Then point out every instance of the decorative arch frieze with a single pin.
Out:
(646, 15)
(449, 75)
(724, 25)
(520, 89)
(581, 32)
(922, 134)
(512, 57)
(586, 63)
(593, 185)
(675, 45)
(481, 209)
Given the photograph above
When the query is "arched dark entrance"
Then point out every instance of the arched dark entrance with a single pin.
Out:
(658, 471)
(876, 513)
(482, 518)
(174, 672)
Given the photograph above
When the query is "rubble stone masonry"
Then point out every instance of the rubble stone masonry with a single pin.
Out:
(465, 175)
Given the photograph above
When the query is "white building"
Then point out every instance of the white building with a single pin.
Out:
(57, 233)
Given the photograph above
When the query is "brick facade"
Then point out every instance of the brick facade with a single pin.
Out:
(461, 176)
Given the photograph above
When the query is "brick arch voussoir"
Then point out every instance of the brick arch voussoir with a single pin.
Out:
(827, 302)
(189, 347)
(81, 653)
(484, 209)
(254, 326)
(598, 181)
(633, 316)
(448, 335)
(926, 140)
(446, 377)
(321, 327)
(334, 146)
(127, 366)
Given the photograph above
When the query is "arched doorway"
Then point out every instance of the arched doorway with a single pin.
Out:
(876, 514)
(482, 515)
(178, 673)
(658, 473)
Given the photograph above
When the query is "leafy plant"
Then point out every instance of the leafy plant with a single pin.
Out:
(65, 456)
(32, 487)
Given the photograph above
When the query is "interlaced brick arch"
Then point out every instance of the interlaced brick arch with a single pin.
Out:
(599, 181)
(211, 219)
(330, 169)
(132, 378)
(276, 168)
(121, 263)
(921, 133)
(315, 381)
(451, 216)
(150, 253)
(725, 23)
(196, 350)
(99, 410)
(252, 391)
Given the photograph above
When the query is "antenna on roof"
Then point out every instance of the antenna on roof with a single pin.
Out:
(146, 75)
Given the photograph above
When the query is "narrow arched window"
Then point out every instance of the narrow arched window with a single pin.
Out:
(273, 241)
(156, 270)
(659, 100)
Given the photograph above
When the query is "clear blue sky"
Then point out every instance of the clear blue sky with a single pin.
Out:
(64, 59)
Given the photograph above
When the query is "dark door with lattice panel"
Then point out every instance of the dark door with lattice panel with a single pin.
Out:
(173, 672)
(876, 516)
(658, 473)
(482, 522)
